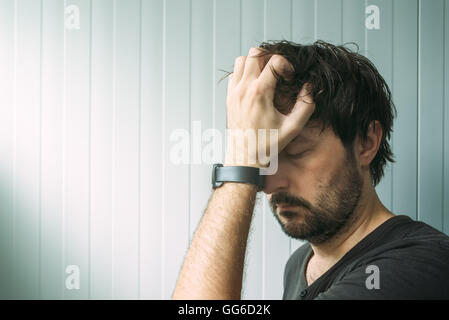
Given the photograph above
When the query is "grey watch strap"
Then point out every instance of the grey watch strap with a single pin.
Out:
(243, 174)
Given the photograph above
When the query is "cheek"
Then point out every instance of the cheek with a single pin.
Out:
(311, 175)
(321, 167)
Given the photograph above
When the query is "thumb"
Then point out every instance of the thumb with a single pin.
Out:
(295, 121)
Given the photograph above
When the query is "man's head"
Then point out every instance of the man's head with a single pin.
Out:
(339, 157)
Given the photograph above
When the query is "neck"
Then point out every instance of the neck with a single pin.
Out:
(369, 214)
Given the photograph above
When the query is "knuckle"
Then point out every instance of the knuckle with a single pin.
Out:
(239, 60)
(279, 61)
(282, 65)
(253, 51)
(276, 59)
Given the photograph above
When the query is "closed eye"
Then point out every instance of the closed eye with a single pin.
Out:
(296, 155)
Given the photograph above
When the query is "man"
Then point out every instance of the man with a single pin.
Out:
(332, 147)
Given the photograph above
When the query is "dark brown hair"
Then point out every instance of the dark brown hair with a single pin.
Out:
(348, 91)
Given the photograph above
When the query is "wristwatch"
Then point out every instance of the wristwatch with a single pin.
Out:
(221, 174)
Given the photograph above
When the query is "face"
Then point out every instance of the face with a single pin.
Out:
(317, 187)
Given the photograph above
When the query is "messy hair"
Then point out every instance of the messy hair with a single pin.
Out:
(348, 91)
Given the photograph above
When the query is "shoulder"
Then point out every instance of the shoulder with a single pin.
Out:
(408, 262)
(411, 241)
(414, 242)
(400, 276)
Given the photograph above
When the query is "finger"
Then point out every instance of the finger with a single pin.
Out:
(296, 120)
(252, 65)
(267, 80)
(235, 77)
(239, 66)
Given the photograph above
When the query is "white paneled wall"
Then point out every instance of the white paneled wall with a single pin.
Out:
(91, 92)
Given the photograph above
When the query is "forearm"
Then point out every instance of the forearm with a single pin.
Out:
(213, 267)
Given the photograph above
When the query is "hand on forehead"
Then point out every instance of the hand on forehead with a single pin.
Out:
(282, 66)
(284, 98)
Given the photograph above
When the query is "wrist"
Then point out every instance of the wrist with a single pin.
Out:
(241, 158)
(237, 173)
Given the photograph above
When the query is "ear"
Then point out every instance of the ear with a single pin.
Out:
(367, 149)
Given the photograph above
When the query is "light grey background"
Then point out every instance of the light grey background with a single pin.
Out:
(86, 116)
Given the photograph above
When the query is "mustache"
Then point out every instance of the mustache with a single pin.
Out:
(285, 198)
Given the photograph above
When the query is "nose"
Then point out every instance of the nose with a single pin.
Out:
(278, 181)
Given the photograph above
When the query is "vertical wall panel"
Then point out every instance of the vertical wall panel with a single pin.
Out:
(446, 120)
(430, 126)
(76, 139)
(405, 128)
(126, 149)
(251, 35)
(27, 149)
(7, 109)
(353, 20)
(303, 21)
(328, 23)
(101, 245)
(252, 25)
(278, 19)
(176, 116)
(51, 277)
(151, 150)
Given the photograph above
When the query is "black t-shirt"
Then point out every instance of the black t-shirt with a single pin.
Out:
(400, 259)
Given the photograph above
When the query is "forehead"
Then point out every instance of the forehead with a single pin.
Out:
(311, 133)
